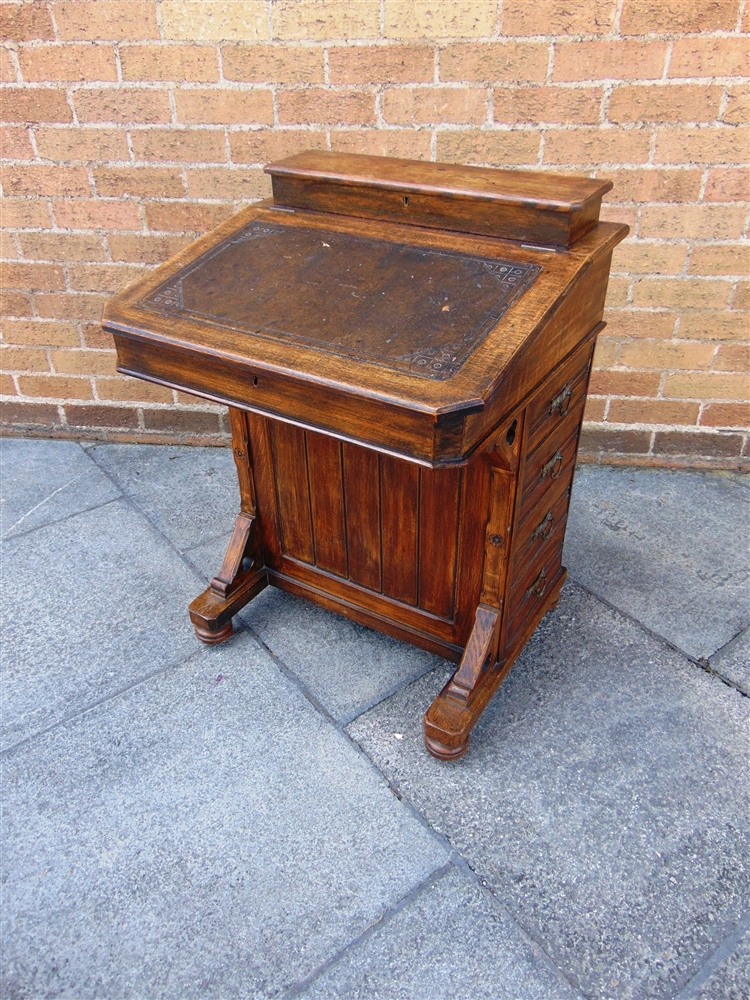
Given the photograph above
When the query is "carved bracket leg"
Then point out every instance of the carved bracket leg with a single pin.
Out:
(449, 720)
(242, 574)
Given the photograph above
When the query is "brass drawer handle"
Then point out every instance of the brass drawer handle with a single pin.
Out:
(556, 460)
(539, 585)
(561, 403)
(544, 527)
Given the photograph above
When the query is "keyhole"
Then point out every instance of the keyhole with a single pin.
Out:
(255, 379)
(510, 437)
(406, 199)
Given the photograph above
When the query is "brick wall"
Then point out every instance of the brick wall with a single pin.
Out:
(132, 126)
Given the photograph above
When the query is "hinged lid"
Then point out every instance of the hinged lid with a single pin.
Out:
(521, 205)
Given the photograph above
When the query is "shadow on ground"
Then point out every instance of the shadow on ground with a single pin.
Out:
(260, 819)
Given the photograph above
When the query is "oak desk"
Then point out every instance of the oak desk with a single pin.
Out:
(405, 349)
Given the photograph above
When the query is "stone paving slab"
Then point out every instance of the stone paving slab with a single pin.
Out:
(451, 941)
(88, 605)
(346, 666)
(604, 799)
(204, 834)
(47, 481)
(668, 548)
(726, 976)
(189, 494)
(733, 662)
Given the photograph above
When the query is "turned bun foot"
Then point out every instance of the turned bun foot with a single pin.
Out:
(213, 638)
(442, 752)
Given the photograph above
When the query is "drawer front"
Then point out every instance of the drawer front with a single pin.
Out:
(554, 460)
(540, 524)
(562, 393)
(533, 584)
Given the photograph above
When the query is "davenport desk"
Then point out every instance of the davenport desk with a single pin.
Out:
(404, 348)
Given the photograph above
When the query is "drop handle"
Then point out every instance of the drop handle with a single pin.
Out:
(561, 403)
(539, 585)
(544, 527)
(554, 466)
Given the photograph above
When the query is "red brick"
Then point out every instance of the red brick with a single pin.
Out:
(55, 386)
(741, 297)
(643, 186)
(649, 258)
(185, 216)
(553, 105)
(139, 182)
(97, 214)
(494, 62)
(726, 415)
(70, 306)
(15, 304)
(35, 105)
(707, 385)
(237, 183)
(108, 278)
(666, 355)
(410, 144)
(8, 73)
(132, 390)
(702, 222)
(182, 421)
(677, 102)
(491, 147)
(265, 145)
(101, 416)
(621, 383)
(696, 443)
(170, 63)
(122, 106)
(596, 146)
(55, 63)
(594, 410)
(617, 291)
(652, 411)
(116, 20)
(326, 107)
(64, 144)
(84, 362)
(643, 17)
(29, 414)
(733, 358)
(681, 293)
(63, 182)
(40, 333)
(22, 359)
(727, 185)
(25, 22)
(7, 385)
(720, 260)
(96, 338)
(709, 57)
(702, 145)
(33, 277)
(738, 106)
(639, 323)
(557, 17)
(62, 246)
(714, 326)
(598, 439)
(179, 145)
(607, 60)
(224, 107)
(275, 64)
(15, 144)
(24, 213)
(146, 248)
(434, 105)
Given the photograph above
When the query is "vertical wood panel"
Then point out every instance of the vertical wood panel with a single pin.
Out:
(292, 491)
(362, 497)
(267, 510)
(438, 526)
(399, 496)
(327, 502)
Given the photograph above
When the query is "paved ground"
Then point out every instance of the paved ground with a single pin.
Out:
(261, 820)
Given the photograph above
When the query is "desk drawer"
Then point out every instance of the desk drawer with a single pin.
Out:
(554, 460)
(534, 582)
(541, 522)
(563, 391)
